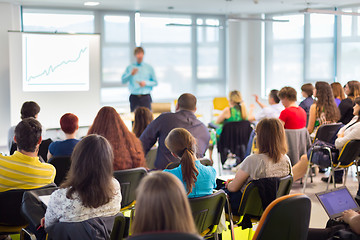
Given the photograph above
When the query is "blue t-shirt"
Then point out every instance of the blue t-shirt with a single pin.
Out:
(63, 148)
(205, 183)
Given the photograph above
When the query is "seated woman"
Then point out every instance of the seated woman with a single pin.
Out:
(142, 117)
(307, 93)
(69, 125)
(270, 161)
(161, 199)
(199, 180)
(338, 92)
(293, 116)
(236, 112)
(324, 110)
(90, 190)
(352, 90)
(128, 152)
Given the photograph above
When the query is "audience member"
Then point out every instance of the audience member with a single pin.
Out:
(127, 148)
(352, 90)
(199, 180)
(23, 169)
(184, 117)
(162, 199)
(236, 112)
(90, 190)
(142, 118)
(338, 92)
(270, 161)
(28, 109)
(307, 92)
(69, 124)
(272, 111)
(324, 110)
(293, 116)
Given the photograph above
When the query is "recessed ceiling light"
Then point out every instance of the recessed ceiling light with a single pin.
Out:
(91, 4)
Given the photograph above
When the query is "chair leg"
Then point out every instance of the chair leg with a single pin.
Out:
(330, 175)
(345, 175)
(306, 177)
(357, 170)
(249, 234)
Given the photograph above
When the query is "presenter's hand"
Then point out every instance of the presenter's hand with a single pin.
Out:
(142, 84)
(134, 71)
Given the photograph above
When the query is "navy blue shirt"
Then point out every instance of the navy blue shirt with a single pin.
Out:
(306, 104)
(162, 125)
(62, 148)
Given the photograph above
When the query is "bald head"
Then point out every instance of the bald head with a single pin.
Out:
(187, 101)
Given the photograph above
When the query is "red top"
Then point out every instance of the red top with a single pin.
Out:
(293, 117)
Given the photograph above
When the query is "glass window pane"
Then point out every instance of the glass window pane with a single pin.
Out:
(58, 22)
(117, 28)
(155, 29)
(208, 61)
(114, 95)
(350, 62)
(210, 89)
(294, 29)
(322, 25)
(321, 60)
(114, 62)
(210, 33)
(346, 25)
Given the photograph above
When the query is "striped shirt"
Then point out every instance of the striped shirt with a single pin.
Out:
(20, 171)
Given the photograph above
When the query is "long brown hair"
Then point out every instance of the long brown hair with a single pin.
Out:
(270, 138)
(180, 142)
(128, 152)
(235, 97)
(338, 90)
(142, 117)
(161, 199)
(91, 172)
(354, 87)
(357, 101)
(325, 102)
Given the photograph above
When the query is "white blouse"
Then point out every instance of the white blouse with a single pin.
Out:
(350, 133)
(62, 209)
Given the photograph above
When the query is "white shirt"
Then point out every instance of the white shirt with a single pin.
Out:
(272, 111)
(350, 133)
(62, 209)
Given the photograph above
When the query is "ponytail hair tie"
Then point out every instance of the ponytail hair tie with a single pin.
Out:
(187, 149)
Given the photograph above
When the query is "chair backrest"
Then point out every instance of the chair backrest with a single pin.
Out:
(120, 229)
(172, 165)
(151, 158)
(129, 180)
(32, 208)
(219, 103)
(349, 153)
(234, 138)
(327, 132)
(285, 218)
(43, 148)
(207, 210)
(206, 162)
(62, 166)
(298, 141)
(285, 185)
(165, 236)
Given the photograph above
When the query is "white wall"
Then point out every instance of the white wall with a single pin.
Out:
(10, 20)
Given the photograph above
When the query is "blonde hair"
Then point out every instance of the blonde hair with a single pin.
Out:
(162, 205)
(183, 144)
(236, 98)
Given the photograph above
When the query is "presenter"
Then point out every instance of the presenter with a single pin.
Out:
(141, 78)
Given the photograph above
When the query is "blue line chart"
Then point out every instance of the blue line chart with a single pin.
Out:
(53, 68)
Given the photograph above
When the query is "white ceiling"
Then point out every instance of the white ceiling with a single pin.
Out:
(195, 6)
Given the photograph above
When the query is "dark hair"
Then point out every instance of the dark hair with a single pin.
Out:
(354, 87)
(29, 109)
(142, 117)
(187, 101)
(69, 123)
(288, 93)
(138, 50)
(91, 172)
(28, 134)
(357, 101)
(183, 144)
(325, 102)
(127, 148)
(308, 88)
(338, 90)
(271, 139)
(274, 95)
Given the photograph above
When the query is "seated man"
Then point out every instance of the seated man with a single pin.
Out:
(184, 117)
(23, 169)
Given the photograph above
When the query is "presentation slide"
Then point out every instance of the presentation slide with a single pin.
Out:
(55, 63)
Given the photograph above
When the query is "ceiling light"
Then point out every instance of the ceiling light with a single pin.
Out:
(91, 4)
(237, 19)
(332, 12)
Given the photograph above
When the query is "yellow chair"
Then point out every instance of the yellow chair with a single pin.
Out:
(219, 103)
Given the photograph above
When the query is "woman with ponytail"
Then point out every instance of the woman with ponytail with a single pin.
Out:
(198, 180)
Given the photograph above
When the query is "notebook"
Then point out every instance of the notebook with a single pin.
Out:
(336, 201)
(45, 199)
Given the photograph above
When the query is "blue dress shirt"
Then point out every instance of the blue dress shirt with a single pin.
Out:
(146, 73)
(205, 182)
